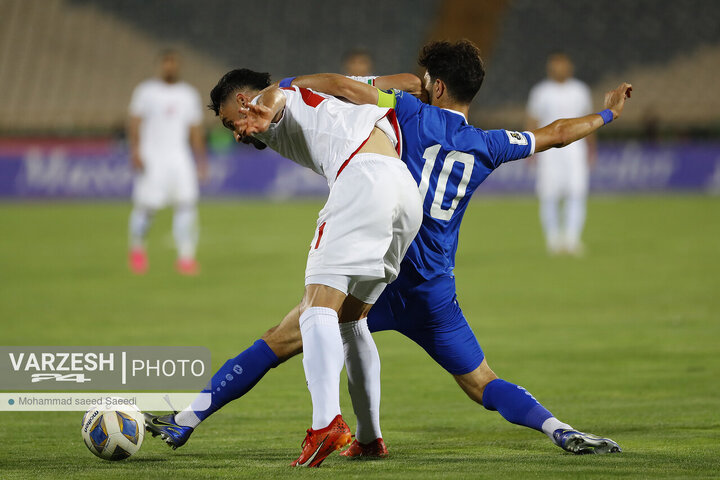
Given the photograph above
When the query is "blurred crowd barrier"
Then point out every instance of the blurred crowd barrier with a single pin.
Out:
(100, 169)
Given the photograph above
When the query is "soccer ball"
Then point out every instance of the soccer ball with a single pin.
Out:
(113, 434)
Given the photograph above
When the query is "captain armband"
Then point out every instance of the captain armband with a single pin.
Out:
(386, 99)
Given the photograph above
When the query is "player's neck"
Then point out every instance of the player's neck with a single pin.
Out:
(463, 108)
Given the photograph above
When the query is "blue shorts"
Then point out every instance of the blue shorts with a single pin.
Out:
(427, 312)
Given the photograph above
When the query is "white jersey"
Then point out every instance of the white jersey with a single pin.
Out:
(167, 110)
(561, 170)
(550, 100)
(321, 132)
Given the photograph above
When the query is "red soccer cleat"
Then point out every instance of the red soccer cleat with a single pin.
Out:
(318, 444)
(187, 266)
(374, 449)
(138, 261)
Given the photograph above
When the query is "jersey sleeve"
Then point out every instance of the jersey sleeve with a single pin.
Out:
(138, 101)
(505, 145)
(406, 106)
(369, 80)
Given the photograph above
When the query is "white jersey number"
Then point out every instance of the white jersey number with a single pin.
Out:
(430, 157)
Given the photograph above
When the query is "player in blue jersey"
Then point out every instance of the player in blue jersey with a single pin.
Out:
(448, 159)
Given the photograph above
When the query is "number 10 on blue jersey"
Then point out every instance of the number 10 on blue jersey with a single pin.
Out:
(430, 156)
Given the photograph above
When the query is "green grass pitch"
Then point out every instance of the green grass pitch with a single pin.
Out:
(623, 343)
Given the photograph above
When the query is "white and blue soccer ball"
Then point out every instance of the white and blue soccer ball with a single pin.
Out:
(113, 434)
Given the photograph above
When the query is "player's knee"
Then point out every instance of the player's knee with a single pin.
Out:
(353, 309)
(284, 342)
(474, 383)
(317, 295)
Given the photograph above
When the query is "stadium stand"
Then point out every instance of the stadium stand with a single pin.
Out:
(675, 68)
(71, 69)
(59, 59)
(306, 37)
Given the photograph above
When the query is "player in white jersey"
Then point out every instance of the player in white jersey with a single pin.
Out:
(165, 129)
(371, 216)
(563, 173)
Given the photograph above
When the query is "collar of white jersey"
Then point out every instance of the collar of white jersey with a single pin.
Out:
(457, 113)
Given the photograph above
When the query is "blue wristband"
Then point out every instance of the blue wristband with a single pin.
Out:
(606, 115)
(287, 82)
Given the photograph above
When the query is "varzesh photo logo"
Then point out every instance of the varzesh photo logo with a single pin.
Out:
(52, 368)
(113, 425)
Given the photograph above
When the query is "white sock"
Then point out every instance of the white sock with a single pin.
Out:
(187, 417)
(323, 362)
(551, 223)
(362, 363)
(552, 424)
(185, 231)
(575, 209)
(139, 224)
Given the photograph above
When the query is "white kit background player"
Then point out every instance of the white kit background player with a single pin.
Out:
(563, 173)
(164, 130)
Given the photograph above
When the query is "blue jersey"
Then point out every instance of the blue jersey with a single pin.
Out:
(449, 160)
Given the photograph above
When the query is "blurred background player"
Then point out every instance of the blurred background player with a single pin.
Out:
(358, 63)
(562, 173)
(164, 130)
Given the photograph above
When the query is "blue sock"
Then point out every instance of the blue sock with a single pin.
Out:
(515, 404)
(238, 376)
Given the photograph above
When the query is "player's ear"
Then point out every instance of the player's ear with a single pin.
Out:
(240, 99)
(438, 88)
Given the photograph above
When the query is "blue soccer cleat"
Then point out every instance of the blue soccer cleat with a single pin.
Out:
(583, 443)
(174, 435)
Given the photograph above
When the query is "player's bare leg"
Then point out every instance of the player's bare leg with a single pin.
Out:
(284, 339)
(518, 406)
(233, 380)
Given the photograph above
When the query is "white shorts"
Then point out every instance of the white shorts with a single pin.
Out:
(369, 221)
(562, 175)
(160, 185)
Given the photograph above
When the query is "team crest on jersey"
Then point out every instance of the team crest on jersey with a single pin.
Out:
(516, 138)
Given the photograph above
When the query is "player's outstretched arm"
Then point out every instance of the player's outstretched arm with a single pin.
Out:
(339, 86)
(568, 130)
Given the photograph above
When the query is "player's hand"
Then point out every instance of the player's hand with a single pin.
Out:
(136, 162)
(253, 119)
(615, 99)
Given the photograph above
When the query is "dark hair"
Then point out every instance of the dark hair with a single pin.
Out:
(233, 81)
(457, 64)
